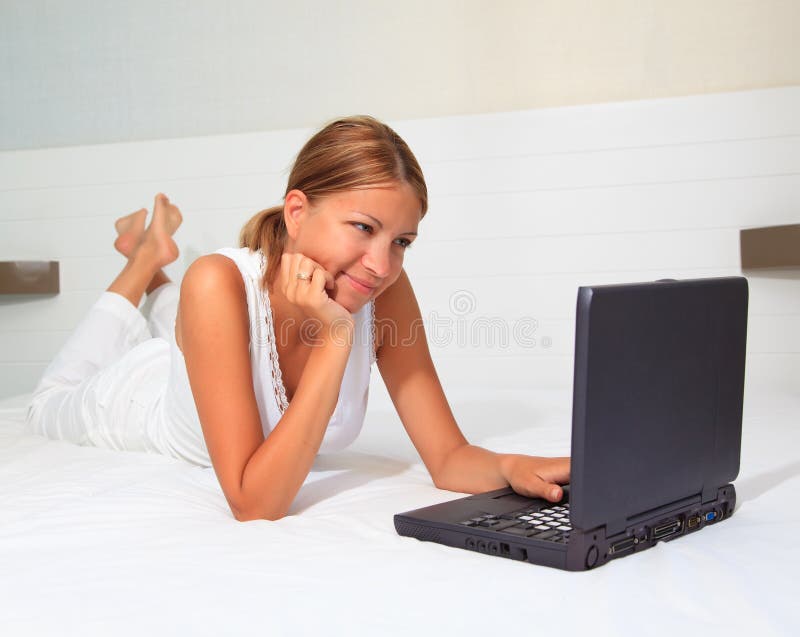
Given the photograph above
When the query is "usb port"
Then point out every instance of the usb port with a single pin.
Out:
(665, 530)
(693, 521)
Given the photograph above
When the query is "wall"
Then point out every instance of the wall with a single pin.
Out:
(88, 72)
(524, 207)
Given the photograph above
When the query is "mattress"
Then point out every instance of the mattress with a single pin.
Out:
(96, 542)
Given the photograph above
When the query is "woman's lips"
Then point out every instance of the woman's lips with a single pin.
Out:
(359, 286)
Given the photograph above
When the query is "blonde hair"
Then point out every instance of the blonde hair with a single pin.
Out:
(349, 153)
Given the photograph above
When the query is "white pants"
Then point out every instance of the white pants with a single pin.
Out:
(106, 386)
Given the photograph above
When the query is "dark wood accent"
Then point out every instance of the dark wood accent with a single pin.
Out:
(771, 247)
(29, 277)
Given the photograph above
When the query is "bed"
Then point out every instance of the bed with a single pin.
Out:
(95, 542)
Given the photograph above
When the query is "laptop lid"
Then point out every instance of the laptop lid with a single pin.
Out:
(657, 396)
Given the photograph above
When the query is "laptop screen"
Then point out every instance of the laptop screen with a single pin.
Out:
(657, 398)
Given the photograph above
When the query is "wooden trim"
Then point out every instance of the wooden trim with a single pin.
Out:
(770, 247)
(29, 277)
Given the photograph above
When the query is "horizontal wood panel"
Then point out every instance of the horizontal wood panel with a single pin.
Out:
(629, 124)
(579, 253)
(193, 195)
(711, 161)
(142, 162)
(19, 378)
(634, 208)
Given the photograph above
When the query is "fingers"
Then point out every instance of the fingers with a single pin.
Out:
(303, 289)
(535, 487)
(555, 470)
(540, 477)
(327, 277)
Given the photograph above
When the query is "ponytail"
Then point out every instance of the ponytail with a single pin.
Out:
(266, 231)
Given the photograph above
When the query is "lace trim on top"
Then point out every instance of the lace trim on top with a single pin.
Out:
(373, 357)
(277, 376)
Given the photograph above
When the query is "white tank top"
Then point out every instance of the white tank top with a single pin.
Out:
(348, 416)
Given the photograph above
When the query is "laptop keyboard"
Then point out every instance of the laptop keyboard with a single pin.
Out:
(551, 524)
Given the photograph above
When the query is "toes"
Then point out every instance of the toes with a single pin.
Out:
(169, 212)
(134, 221)
(175, 219)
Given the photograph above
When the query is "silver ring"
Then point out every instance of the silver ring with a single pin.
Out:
(303, 276)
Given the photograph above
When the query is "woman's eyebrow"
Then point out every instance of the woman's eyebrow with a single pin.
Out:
(378, 221)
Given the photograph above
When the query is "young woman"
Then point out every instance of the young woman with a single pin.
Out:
(261, 360)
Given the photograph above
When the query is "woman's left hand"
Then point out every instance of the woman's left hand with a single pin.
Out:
(536, 477)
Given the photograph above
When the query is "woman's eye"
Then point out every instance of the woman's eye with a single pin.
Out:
(365, 227)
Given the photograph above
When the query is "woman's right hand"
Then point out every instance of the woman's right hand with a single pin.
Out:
(332, 320)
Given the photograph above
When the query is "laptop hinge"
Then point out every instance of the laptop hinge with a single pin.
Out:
(617, 526)
(710, 494)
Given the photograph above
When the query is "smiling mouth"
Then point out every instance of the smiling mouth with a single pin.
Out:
(359, 285)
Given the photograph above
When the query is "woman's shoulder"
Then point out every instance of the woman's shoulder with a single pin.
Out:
(210, 274)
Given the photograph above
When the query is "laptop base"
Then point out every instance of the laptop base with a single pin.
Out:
(586, 549)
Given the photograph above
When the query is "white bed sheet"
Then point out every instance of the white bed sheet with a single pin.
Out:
(94, 542)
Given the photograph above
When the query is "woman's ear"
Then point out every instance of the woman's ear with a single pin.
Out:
(295, 211)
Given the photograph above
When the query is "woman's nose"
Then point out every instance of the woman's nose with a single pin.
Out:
(377, 261)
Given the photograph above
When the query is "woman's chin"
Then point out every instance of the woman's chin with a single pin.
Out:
(348, 301)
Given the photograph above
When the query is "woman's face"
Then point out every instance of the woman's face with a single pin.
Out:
(359, 236)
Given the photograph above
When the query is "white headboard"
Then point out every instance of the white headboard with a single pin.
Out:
(524, 207)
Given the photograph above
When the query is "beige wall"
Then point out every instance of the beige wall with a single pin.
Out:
(85, 72)
(574, 51)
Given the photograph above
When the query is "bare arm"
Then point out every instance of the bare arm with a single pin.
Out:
(412, 382)
(259, 477)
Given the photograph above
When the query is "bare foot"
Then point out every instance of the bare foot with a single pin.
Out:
(157, 239)
(130, 229)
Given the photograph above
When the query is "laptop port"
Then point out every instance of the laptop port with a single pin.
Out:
(623, 545)
(693, 522)
(711, 516)
(505, 549)
(666, 530)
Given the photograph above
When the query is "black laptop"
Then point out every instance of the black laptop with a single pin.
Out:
(656, 432)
